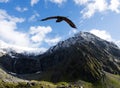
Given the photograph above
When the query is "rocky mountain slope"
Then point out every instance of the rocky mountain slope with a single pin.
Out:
(83, 56)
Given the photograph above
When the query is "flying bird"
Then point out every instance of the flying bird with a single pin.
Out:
(59, 19)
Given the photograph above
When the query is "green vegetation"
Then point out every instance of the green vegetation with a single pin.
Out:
(8, 81)
(113, 80)
(41, 84)
(62, 84)
(110, 81)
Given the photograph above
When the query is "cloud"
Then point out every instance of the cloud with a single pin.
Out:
(57, 1)
(33, 2)
(52, 41)
(39, 33)
(4, 1)
(21, 49)
(104, 35)
(8, 26)
(98, 6)
(33, 38)
(19, 9)
(115, 5)
(92, 7)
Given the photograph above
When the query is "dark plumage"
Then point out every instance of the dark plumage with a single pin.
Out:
(59, 19)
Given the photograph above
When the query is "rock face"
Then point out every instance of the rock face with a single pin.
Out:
(84, 56)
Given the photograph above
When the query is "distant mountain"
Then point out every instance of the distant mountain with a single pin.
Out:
(83, 56)
(14, 57)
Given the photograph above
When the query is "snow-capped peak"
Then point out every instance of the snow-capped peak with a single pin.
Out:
(80, 38)
(87, 36)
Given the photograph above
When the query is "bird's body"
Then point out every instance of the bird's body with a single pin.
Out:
(61, 18)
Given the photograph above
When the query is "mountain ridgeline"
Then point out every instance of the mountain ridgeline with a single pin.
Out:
(83, 56)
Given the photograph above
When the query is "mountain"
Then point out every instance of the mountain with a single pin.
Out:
(83, 56)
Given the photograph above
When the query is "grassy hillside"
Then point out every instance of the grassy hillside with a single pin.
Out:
(110, 81)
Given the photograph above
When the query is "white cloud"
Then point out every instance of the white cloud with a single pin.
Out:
(99, 6)
(20, 49)
(104, 35)
(4, 1)
(92, 7)
(39, 33)
(21, 9)
(34, 16)
(52, 41)
(58, 1)
(115, 6)
(9, 33)
(33, 2)
(8, 26)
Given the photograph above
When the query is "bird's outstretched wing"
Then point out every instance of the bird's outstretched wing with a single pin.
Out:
(69, 22)
(63, 18)
(48, 18)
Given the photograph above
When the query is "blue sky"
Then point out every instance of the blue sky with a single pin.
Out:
(19, 23)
